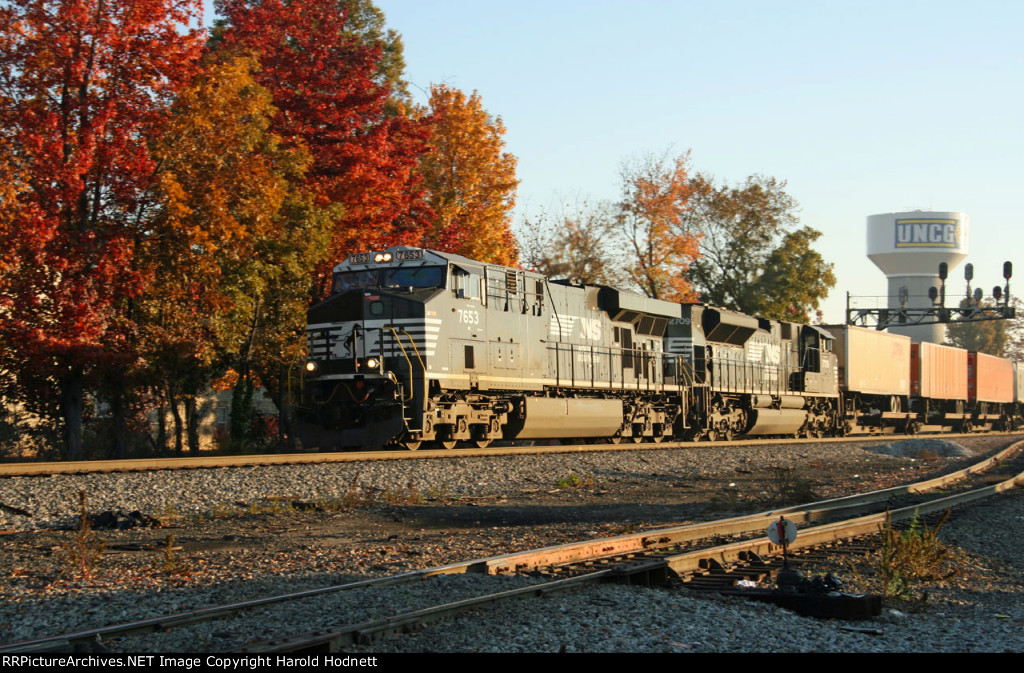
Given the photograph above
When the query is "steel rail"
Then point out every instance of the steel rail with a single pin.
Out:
(41, 468)
(665, 537)
(364, 632)
(677, 566)
(561, 554)
(689, 562)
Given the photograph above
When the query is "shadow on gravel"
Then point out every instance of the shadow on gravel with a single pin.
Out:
(541, 515)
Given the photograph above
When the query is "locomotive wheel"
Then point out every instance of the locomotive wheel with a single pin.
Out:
(712, 435)
(727, 435)
(481, 443)
(447, 443)
(617, 439)
(411, 446)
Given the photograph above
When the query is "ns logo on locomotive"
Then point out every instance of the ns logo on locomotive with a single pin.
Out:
(417, 346)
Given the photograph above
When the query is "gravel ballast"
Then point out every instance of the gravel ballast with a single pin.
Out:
(429, 512)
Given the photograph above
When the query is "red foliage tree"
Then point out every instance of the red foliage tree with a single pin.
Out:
(82, 84)
(323, 79)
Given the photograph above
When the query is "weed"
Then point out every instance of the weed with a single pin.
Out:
(575, 480)
(83, 551)
(725, 500)
(912, 555)
(440, 493)
(225, 511)
(171, 564)
(168, 514)
(927, 455)
(785, 486)
(408, 496)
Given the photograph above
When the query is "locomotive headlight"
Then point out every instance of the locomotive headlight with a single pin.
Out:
(372, 363)
(379, 257)
(312, 366)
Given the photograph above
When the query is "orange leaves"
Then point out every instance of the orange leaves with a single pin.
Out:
(470, 180)
(221, 179)
(655, 195)
(84, 83)
(323, 77)
(225, 181)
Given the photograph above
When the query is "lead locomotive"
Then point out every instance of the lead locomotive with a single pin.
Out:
(419, 346)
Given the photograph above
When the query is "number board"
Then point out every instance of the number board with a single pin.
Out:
(408, 255)
(360, 258)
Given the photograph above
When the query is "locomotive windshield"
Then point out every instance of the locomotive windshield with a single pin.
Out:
(409, 276)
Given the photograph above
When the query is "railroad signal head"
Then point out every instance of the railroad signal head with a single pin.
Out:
(933, 293)
(978, 294)
(969, 272)
(1007, 270)
(997, 292)
(943, 270)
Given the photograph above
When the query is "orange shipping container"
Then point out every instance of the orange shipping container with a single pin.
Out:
(871, 362)
(989, 379)
(938, 372)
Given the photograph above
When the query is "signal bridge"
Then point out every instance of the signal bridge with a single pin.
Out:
(971, 308)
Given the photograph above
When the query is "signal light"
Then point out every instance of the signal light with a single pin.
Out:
(978, 294)
(997, 292)
(943, 270)
(933, 293)
(969, 272)
(1007, 270)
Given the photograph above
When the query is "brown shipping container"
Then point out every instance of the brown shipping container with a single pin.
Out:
(938, 372)
(871, 362)
(990, 379)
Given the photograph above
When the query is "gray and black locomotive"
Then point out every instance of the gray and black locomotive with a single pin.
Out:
(417, 346)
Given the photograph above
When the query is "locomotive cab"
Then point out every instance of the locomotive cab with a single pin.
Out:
(368, 345)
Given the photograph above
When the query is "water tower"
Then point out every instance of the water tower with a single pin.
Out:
(908, 248)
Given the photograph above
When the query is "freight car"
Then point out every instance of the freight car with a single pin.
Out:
(923, 387)
(417, 346)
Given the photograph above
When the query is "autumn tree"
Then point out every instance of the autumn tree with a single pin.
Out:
(470, 180)
(574, 243)
(367, 23)
(655, 194)
(325, 81)
(1014, 347)
(233, 244)
(753, 258)
(83, 83)
(983, 336)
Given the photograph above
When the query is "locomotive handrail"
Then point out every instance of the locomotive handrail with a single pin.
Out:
(554, 311)
(741, 376)
(405, 354)
(682, 377)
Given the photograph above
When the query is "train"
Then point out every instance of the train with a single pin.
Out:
(419, 347)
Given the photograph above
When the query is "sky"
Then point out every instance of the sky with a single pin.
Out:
(862, 107)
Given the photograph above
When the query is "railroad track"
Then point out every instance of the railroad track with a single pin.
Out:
(24, 469)
(680, 552)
